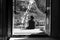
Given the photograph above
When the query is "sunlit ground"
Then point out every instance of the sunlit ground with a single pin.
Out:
(26, 32)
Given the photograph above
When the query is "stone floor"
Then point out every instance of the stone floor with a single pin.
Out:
(38, 39)
(47, 38)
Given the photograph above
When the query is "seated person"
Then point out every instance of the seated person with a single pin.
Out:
(31, 23)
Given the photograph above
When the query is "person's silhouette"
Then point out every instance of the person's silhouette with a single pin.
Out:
(31, 23)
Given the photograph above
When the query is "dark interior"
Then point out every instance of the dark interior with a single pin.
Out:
(6, 14)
